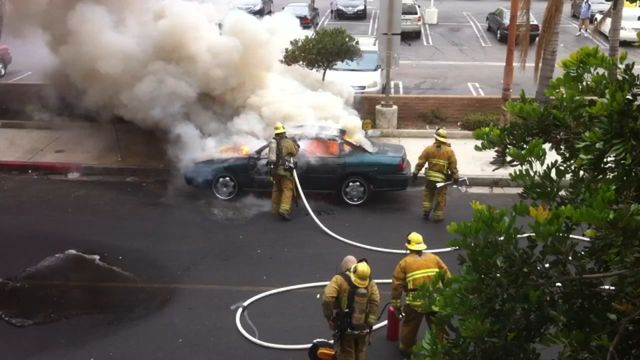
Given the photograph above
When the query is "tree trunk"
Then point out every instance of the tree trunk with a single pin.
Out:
(614, 34)
(324, 73)
(549, 57)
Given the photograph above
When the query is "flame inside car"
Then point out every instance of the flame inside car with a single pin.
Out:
(242, 150)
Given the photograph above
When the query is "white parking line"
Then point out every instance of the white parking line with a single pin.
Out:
(325, 19)
(426, 35)
(596, 40)
(373, 16)
(393, 88)
(475, 88)
(21, 76)
(375, 28)
(477, 28)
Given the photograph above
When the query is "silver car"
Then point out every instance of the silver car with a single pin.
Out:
(410, 19)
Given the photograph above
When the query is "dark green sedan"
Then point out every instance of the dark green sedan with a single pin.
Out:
(325, 164)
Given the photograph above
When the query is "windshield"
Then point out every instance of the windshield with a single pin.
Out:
(521, 18)
(297, 10)
(409, 9)
(367, 62)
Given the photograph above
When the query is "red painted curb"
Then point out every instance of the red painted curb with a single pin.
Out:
(44, 166)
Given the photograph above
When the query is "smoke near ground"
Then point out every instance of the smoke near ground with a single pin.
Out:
(208, 76)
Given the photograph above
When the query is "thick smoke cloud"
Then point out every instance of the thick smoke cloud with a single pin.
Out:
(208, 76)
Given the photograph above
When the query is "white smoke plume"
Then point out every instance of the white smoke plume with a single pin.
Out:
(208, 76)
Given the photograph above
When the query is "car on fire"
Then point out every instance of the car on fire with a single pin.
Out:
(326, 163)
(307, 14)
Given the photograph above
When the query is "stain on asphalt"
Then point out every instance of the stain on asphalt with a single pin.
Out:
(72, 284)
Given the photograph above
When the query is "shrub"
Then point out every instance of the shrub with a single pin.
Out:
(433, 117)
(477, 120)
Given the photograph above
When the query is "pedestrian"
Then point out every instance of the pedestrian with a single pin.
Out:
(585, 17)
(350, 305)
(281, 159)
(441, 163)
(413, 270)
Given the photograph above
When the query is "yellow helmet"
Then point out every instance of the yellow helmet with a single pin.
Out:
(441, 135)
(415, 242)
(360, 274)
(278, 128)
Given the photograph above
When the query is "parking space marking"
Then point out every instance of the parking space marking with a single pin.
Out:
(22, 76)
(325, 19)
(393, 88)
(596, 40)
(375, 27)
(426, 39)
(477, 28)
(475, 88)
(373, 17)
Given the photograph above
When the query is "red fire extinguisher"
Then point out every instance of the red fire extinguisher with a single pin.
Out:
(393, 324)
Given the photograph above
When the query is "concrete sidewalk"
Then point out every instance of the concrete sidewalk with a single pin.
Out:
(125, 149)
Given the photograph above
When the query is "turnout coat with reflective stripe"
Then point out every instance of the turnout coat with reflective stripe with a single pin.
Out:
(412, 271)
(440, 160)
(336, 294)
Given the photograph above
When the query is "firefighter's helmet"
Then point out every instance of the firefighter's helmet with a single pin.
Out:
(441, 135)
(360, 274)
(278, 128)
(415, 242)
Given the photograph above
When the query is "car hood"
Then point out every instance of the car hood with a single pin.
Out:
(355, 78)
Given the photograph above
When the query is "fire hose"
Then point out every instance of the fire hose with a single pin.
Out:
(242, 307)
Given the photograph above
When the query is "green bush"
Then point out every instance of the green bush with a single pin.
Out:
(477, 120)
(433, 117)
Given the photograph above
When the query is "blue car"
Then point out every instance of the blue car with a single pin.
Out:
(326, 163)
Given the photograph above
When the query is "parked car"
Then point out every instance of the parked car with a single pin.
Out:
(597, 7)
(256, 7)
(410, 18)
(5, 59)
(629, 26)
(309, 18)
(363, 74)
(351, 8)
(498, 21)
(326, 163)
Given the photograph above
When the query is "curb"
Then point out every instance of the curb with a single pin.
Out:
(414, 133)
(64, 168)
(476, 180)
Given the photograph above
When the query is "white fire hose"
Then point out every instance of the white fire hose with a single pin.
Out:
(242, 307)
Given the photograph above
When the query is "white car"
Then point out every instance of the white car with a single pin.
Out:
(410, 18)
(629, 27)
(364, 74)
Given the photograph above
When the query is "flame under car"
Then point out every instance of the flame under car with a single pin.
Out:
(325, 164)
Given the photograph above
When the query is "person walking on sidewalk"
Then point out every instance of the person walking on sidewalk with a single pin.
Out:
(441, 163)
(282, 153)
(585, 17)
(413, 270)
(350, 305)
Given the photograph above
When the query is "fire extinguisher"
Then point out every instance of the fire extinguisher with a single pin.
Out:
(393, 323)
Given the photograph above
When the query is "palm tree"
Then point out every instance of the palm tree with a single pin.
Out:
(547, 49)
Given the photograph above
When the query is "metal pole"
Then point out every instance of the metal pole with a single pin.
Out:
(389, 51)
(507, 79)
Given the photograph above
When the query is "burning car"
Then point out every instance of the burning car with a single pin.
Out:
(326, 163)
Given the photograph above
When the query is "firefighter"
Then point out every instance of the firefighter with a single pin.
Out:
(441, 163)
(282, 152)
(350, 304)
(412, 271)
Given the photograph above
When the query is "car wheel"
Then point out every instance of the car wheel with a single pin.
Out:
(364, 17)
(354, 190)
(224, 187)
(3, 69)
(498, 35)
(488, 26)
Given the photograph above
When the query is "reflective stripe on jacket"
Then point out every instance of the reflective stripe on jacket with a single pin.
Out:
(335, 298)
(412, 271)
(440, 160)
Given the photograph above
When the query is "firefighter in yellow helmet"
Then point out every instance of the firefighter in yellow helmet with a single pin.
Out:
(350, 304)
(281, 159)
(441, 163)
(412, 271)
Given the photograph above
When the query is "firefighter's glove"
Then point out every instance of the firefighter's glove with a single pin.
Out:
(372, 320)
(414, 176)
(290, 165)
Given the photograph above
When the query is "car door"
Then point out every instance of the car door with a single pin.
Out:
(320, 164)
(260, 172)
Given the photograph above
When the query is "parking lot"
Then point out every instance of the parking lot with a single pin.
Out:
(458, 56)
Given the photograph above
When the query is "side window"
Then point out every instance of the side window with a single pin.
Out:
(320, 147)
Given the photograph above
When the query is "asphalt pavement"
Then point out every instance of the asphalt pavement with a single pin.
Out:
(209, 255)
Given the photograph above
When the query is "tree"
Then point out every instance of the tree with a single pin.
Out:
(322, 50)
(547, 50)
(516, 294)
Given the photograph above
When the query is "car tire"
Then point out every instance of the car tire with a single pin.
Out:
(364, 17)
(3, 69)
(225, 187)
(488, 26)
(354, 190)
(499, 35)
